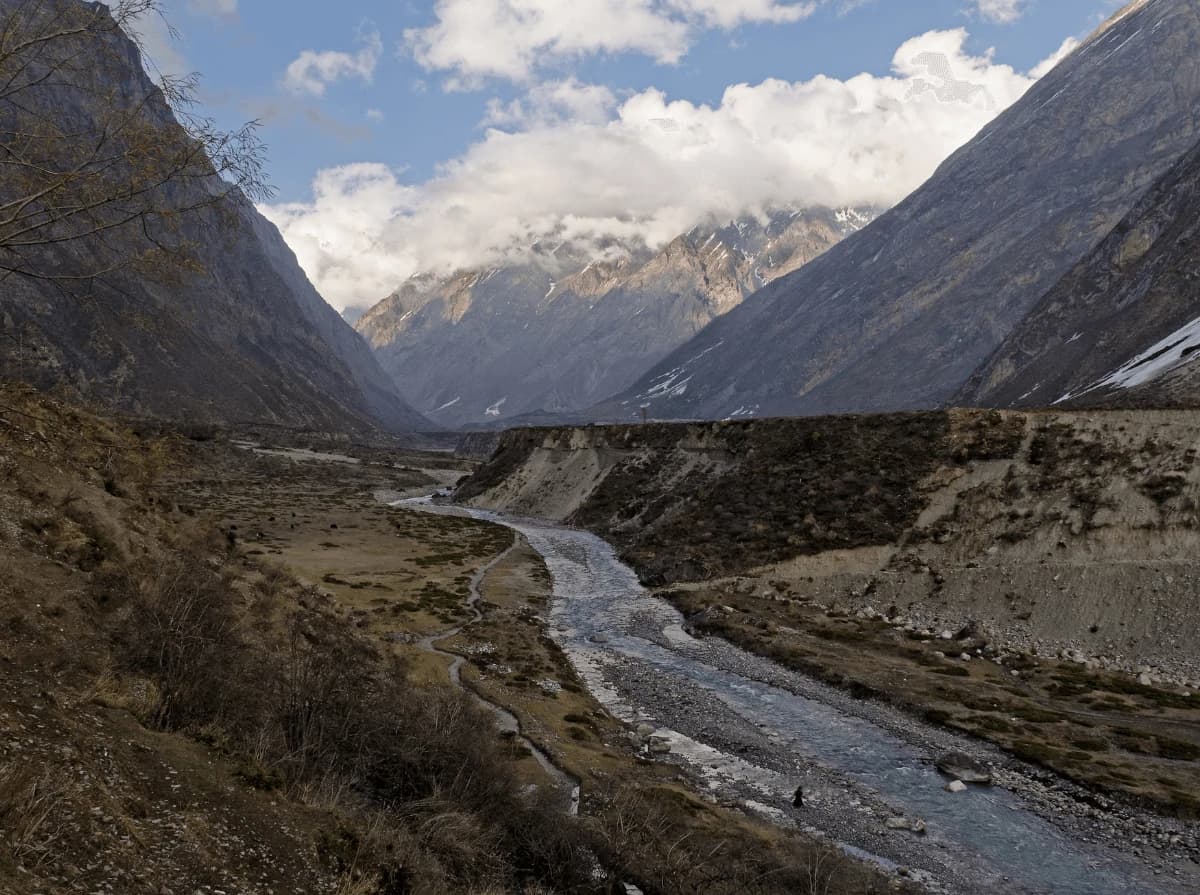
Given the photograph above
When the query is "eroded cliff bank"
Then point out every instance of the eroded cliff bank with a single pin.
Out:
(1051, 531)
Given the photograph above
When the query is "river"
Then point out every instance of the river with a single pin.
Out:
(752, 732)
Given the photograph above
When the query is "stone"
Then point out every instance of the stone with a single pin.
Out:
(964, 768)
(956, 786)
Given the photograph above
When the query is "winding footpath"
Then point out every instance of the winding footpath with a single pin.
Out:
(505, 720)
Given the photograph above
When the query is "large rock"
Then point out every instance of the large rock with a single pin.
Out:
(963, 767)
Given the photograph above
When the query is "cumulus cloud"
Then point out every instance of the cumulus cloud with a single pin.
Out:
(476, 39)
(312, 71)
(569, 162)
(1000, 12)
(553, 103)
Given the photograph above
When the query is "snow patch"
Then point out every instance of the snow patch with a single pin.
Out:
(1176, 350)
(494, 410)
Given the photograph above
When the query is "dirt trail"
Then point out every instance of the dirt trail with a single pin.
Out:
(505, 720)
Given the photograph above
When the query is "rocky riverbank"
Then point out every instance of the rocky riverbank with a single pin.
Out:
(849, 812)
(749, 732)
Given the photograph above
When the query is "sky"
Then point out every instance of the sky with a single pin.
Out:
(413, 136)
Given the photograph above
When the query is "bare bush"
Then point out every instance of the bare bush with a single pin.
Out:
(181, 631)
(27, 802)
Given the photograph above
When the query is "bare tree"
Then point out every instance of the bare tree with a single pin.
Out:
(100, 166)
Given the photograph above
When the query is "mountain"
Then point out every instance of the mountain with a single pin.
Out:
(902, 314)
(1124, 325)
(560, 332)
(234, 334)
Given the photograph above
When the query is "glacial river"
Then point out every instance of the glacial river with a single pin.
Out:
(753, 732)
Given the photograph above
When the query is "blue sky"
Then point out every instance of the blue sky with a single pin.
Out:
(413, 112)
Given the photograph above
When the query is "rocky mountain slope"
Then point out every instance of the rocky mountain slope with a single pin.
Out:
(234, 334)
(902, 314)
(1121, 328)
(560, 333)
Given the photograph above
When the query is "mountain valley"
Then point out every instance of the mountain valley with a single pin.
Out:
(824, 549)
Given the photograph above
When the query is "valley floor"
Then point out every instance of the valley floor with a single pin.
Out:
(1027, 580)
(214, 681)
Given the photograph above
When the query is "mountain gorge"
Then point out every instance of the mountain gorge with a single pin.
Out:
(560, 332)
(226, 328)
(902, 314)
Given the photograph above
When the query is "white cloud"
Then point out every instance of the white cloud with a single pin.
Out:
(574, 164)
(221, 9)
(554, 102)
(1000, 12)
(510, 39)
(1043, 68)
(375, 115)
(311, 72)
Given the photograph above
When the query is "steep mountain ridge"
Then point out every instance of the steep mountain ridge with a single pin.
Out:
(1121, 328)
(902, 314)
(236, 333)
(562, 331)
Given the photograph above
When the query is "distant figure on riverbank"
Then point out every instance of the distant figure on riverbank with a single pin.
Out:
(798, 798)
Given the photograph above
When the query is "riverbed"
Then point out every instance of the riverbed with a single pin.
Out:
(750, 732)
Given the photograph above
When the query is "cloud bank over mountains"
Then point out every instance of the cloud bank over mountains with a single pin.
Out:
(575, 162)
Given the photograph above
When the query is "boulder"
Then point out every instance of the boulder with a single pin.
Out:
(963, 767)
(956, 786)
(911, 824)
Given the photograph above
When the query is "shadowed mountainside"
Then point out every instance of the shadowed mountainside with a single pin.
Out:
(900, 315)
(233, 333)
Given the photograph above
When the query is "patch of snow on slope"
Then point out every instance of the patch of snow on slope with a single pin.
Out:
(447, 405)
(667, 385)
(494, 410)
(1175, 350)
(852, 219)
